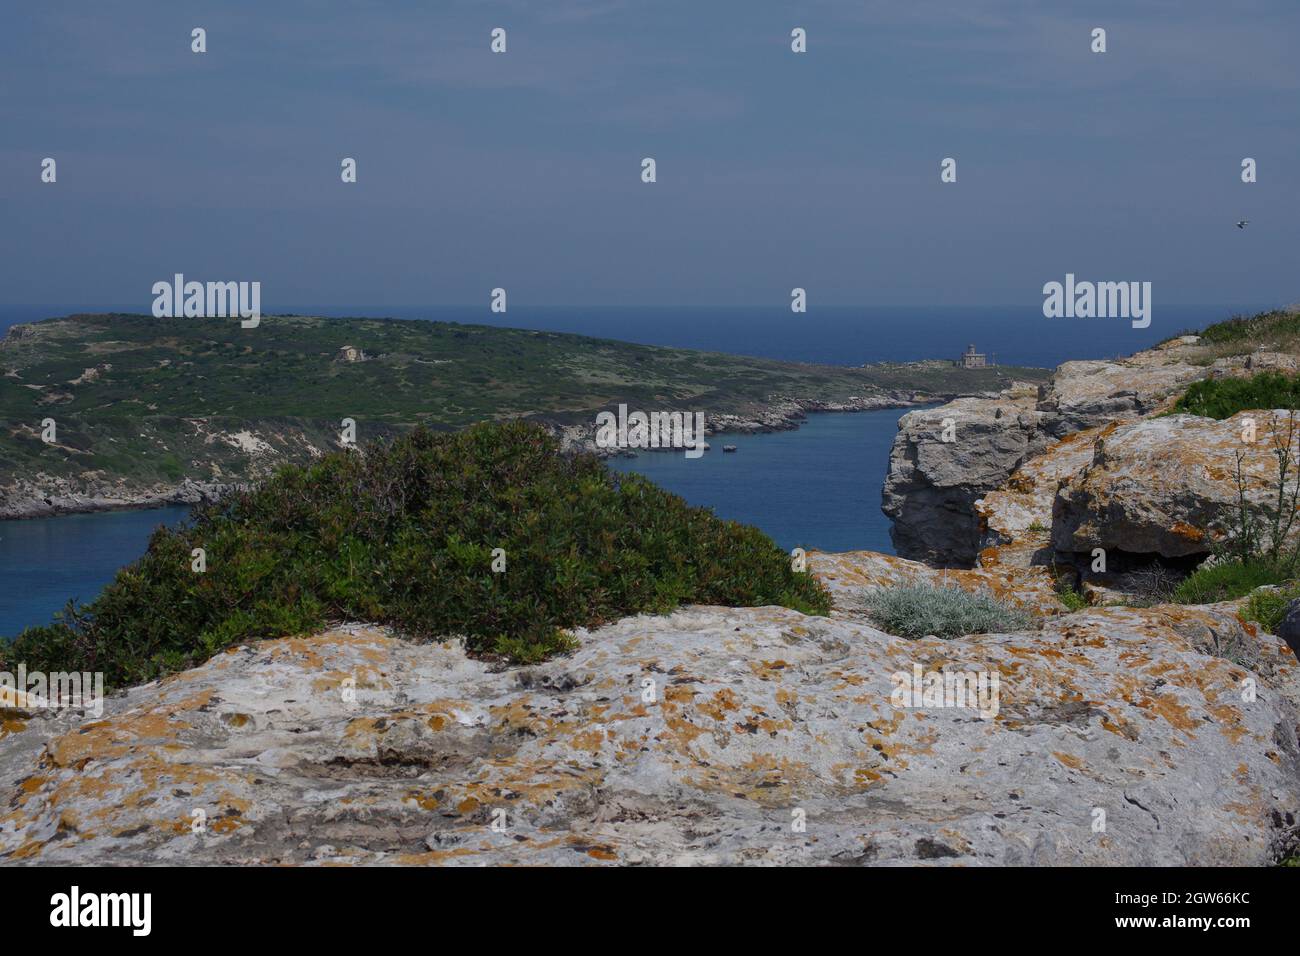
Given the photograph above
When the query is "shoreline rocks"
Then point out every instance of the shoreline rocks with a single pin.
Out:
(43, 496)
(951, 501)
(944, 460)
(60, 496)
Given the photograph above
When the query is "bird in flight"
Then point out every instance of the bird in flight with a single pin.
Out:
(1241, 223)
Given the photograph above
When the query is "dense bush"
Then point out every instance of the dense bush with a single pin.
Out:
(403, 534)
(1224, 397)
(922, 609)
(1227, 581)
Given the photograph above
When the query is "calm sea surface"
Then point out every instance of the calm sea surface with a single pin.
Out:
(46, 561)
(817, 487)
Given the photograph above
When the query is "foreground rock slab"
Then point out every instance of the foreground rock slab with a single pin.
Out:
(707, 736)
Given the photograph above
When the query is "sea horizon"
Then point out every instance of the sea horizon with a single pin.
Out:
(829, 335)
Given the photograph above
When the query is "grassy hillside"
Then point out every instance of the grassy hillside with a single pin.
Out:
(155, 400)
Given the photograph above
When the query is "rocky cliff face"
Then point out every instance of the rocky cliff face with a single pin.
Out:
(1164, 735)
(944, 460)
(710, 735)
(935, 490)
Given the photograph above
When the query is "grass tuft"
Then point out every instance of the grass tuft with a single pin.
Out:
(1221, 398)
(1226, 581)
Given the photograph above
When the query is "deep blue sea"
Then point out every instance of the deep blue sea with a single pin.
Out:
(1013, 335)
(817, 487)
(46, 561)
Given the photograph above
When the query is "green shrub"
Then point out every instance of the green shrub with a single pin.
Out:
(1227, 581)
(403, 534)
(1072, 599)
(1267, 608)
(1222, 398)
(922, 609)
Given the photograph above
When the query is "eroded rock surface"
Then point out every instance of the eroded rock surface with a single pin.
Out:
(933, 483)
(848, 575)
(710, 735)
(1016, 519)
(1161, 485)
(950, 501)
(1089, 394)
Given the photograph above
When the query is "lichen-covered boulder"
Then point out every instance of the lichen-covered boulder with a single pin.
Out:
(1164, 485)
(706, 736)
(1090, 394)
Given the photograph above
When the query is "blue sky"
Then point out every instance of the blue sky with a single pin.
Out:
(775, 169)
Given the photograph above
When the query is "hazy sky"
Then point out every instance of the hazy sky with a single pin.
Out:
(775, 169)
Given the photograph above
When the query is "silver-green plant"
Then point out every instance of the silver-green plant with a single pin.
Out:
(920, 610)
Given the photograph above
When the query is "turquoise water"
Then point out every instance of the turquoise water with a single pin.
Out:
(46, 561)
(815, 487)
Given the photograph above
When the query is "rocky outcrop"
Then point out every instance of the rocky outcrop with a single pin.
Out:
(951, 502)
(45, 495)
(1016, 519)
(1089, 394)
(1163, 486)
(706, 736)
(944, 460)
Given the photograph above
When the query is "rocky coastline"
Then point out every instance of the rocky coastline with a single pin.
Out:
(42, 495)
(1122, 733)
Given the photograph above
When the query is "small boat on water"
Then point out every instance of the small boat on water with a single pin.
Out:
(728, 448)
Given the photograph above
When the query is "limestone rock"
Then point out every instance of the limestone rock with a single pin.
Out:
(1161, 485)
(1089, 394)
(932, 484)
(1020, 512)
(710, 735)
(848, 575)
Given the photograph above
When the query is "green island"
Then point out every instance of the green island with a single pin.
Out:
(141, 404)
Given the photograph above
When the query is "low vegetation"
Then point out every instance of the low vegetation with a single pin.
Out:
(1258, 544)
(1276, 325)
(1072, 599)
(406, 534)
(1226, 581)
(1222, 398)
(922, 610)
(1267, 607)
